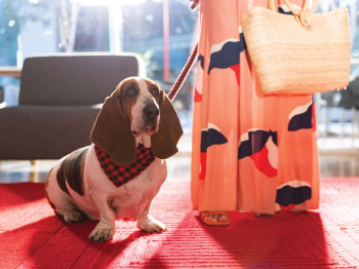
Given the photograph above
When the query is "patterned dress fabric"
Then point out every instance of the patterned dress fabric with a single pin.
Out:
(250, 153)
(120, 175)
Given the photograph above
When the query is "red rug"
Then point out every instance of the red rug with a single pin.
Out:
(31, 236)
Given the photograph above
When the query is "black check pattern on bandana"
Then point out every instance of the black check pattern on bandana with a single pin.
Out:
(120, 175)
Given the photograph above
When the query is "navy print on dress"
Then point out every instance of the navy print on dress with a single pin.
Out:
(262, 147)
(209, 137)
(293, 193)
(224, 55)
(301, 118)
(255, 143)
(201, 60)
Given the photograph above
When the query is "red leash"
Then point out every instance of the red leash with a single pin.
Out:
(183, 75)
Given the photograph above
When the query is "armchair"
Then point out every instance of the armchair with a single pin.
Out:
(60, 97)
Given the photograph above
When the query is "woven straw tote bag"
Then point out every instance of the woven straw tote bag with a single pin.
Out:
(301, 53)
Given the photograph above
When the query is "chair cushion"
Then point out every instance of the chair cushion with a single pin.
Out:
(44, 132)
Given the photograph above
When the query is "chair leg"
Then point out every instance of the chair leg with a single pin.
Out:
(33, 176)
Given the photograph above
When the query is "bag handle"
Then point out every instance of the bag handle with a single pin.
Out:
(302, 16)
(294, 10)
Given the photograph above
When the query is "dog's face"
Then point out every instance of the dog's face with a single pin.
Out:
(139, 97)
(137, 112)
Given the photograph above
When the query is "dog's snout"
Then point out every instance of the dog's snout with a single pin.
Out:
(151, 111)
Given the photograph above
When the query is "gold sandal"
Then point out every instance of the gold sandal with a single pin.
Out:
(214, 223)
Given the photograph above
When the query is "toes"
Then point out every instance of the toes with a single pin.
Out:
(223, 218)
(156, 228)
(93, 235)
(152, 226)
(100, 237)
(216, 218)
(71, 216)
(101, 234)
(212, 217)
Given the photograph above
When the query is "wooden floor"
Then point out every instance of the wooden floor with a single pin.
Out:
(331, 165)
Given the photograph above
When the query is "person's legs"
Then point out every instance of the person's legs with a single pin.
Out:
(215, 123)
(244, 157)
(277, 156)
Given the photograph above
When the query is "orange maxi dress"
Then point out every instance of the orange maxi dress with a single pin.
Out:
(250, 153)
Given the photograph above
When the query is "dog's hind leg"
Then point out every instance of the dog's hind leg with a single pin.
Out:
(61, 201)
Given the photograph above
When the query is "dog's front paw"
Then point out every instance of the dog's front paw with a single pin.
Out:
(151, 225)
(102, 232)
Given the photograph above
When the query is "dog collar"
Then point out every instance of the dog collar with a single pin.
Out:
(120, 175)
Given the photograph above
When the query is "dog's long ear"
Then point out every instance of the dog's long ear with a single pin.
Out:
(164, 142)
(111, 131)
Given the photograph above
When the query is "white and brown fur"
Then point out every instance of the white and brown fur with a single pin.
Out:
(77, 184)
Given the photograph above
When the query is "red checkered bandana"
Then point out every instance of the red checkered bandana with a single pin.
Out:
(120, 175)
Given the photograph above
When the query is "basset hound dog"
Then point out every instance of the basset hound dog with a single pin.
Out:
(121, 172)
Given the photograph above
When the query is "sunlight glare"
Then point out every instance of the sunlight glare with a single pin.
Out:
(107, 2)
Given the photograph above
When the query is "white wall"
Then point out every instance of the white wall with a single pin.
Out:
(38, 39)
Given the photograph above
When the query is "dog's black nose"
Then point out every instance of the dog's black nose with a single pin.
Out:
(151, 111)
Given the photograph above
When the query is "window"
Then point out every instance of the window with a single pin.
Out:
(40, 26)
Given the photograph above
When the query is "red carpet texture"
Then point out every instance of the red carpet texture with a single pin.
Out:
(31, 236)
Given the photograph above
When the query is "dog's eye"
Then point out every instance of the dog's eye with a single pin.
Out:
(131, 92)
(154, 92)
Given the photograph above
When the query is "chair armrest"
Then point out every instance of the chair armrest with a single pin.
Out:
(11, 71)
